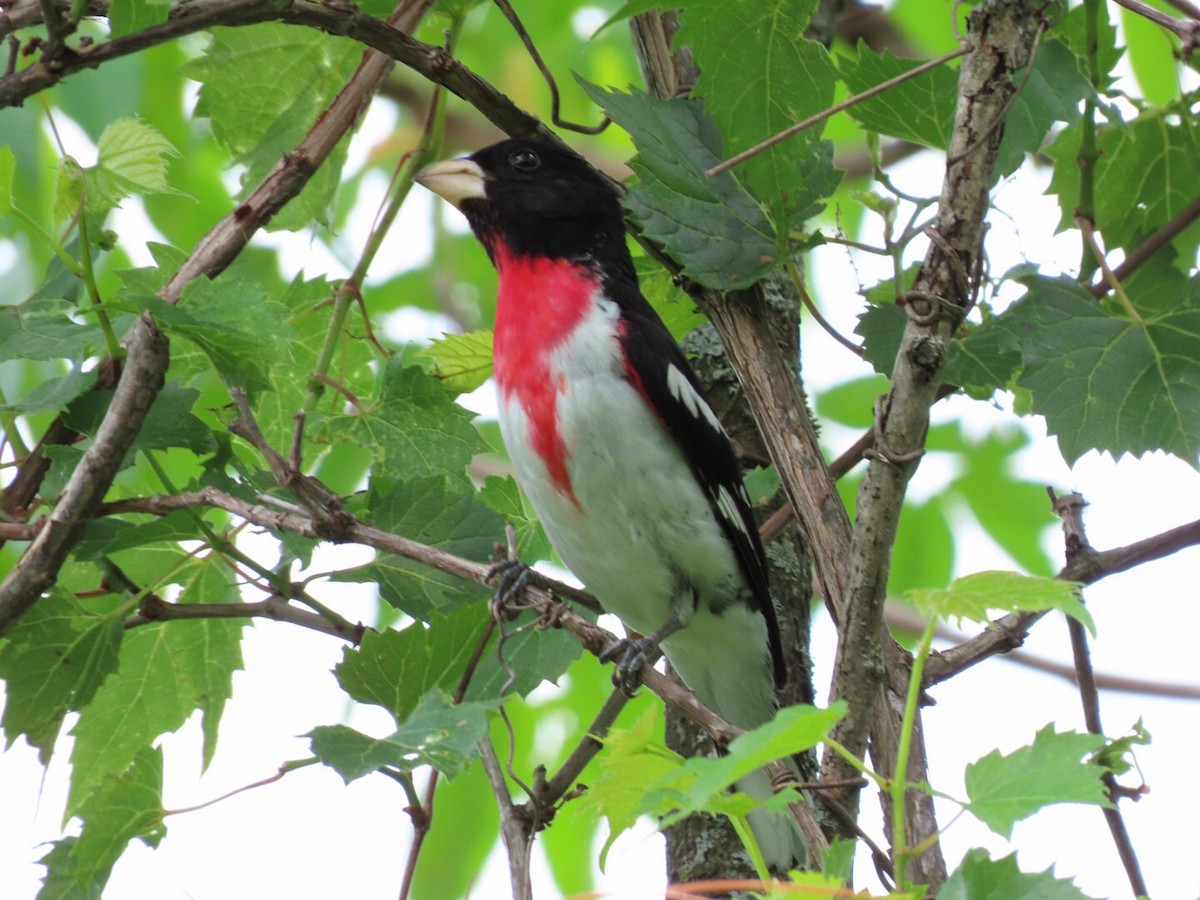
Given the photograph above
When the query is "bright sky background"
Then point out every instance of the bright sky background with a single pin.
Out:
(310, 836)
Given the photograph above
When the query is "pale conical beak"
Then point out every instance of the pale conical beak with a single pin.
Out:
(455, 180)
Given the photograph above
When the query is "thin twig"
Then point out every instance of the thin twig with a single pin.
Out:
(1149, 247)
(1009, 631)
(1089, 235)
(1070, 508)
(807, 300)
(1186, 30)
(514, 20)
(836, 108)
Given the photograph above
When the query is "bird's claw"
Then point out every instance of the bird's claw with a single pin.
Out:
(511, 577)
(630, 654)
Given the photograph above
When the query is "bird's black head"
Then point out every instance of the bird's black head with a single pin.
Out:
(538, 198)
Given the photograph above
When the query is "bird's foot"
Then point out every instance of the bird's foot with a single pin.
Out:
(630, 654)
(511, 577)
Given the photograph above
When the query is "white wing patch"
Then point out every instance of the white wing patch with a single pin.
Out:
(729, 509)
(682, 390)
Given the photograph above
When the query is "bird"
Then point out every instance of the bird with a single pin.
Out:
(629, 470)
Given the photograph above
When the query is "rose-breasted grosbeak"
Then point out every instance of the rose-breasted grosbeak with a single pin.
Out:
(628, 468)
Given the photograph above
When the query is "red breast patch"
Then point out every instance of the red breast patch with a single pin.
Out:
(541, 302)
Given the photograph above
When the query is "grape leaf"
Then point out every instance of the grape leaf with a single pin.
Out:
(462, 362)
(1005, 789)
(54, 660)
(41, 329)
(167, 671)
(920, 109)
(123, 806)
(263, 86)
(128, 16)
(974, 596)
(1105, 380)
(130, 161)
(759, 75)
(437, 733)
(979, 877)
(711, 226)
(436, 512)
(54, 393)
(170, 422)
(394, 669)
(503, 495)
(1051, 94)
(413, 428)
(793, 730)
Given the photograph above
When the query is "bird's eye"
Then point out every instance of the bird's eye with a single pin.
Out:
(525, 160)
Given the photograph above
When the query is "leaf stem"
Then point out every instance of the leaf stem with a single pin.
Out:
(427, 146)
(1089, 154)
(898, 786)
(770, 142)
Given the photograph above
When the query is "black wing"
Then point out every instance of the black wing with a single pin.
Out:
(667, 380)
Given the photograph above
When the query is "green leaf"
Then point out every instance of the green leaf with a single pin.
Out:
(979, 877)
(394, 669)
(170, 422)
(1151, 56)
(711, 226)
(632, 758)
(306, 306)
(53, 662)
(437, 733)
(1051, 94)
(1005, 789)
(41, 329)
(123, 806)
(263, 86)
(504, 496)
(671, 302)
(130, 161)
(1153, 160)
(54, 393)
(758, 76)
(68, 189)
(110, 535)
(168, 670)
(128, 16)
(238, 327)
(1105, 381)
(881, 328)
(975, 596)
(920, 109)
(1116, 754)
(8, 167)
(436, 512)
(793, 730)
(413, 428)
(463, 362)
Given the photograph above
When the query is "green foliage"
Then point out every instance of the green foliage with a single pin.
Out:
(438, 733)
(1005, 789)
(976, 596)
(758, 75)
(372, 412)
(982, 878)
(463, 362)
(1127, 381)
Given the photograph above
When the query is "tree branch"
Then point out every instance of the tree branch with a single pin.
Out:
(275, 607)
(1002, 34)
(427, 60)
(1009, 632)
(142, 377)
